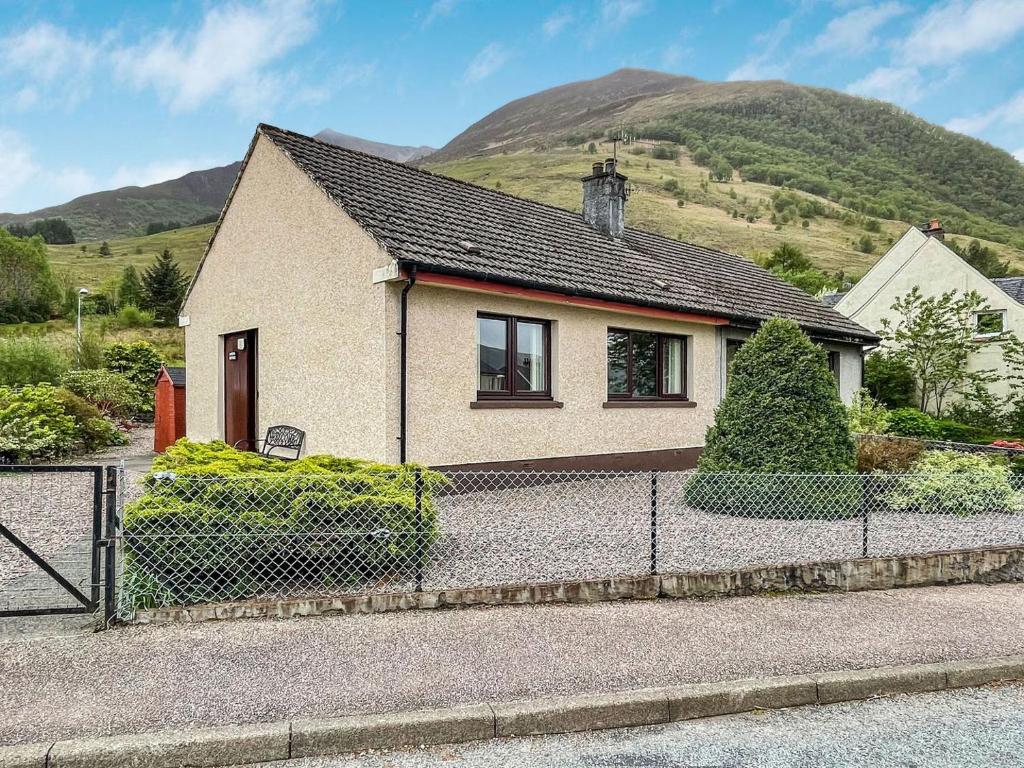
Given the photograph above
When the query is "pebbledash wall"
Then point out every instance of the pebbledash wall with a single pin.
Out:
(288, 262)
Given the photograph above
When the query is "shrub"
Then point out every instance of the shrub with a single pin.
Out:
(111, 392)
(782, 412)
(44, 422)
(955, 432)
(29, 360)
(910, 422)
(889, 380)
(252, 521)
(140, 363)
(867, 416)
(963, 484)
(131, 316)
(887, 453)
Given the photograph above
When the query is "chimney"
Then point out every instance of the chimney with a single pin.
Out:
(604, 199)
(934, 229)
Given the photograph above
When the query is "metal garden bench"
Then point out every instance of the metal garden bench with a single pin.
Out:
(279, 438)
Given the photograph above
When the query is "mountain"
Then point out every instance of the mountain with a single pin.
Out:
(127, 211)
(388, 151)
(864, 155)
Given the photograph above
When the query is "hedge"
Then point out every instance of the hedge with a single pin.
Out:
(216, 523)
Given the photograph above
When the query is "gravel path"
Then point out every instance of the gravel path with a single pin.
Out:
(175, 675)
(951, 729)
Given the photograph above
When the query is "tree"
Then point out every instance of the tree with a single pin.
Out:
(163, 288)
(104, 248)
(28, 290)
(982, 258)
(53, 231)
(934, 336)
(782, 411)
(788, 258)
(721, 170)
(592, 148)
(866, 244)
(889, 379)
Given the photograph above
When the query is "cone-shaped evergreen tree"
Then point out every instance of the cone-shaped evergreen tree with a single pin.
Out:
(164, 288)
(782, 411)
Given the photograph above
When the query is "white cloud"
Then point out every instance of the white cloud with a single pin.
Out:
(766, 64)
(672, 55)
(853, 33)
(617, 13)
(439, 9)
(1010, 112)
(489, 60)
(902, 85)
(556, 22)
(24, 182)
(959, 28)
(230, 56)
(47, 66)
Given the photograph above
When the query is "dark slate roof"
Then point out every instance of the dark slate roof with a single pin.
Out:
(176, 375)
(1011, 286)
(430, 220)
(831, 299)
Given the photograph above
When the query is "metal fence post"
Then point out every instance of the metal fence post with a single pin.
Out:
(97, 536)
(866, 499)
(654, 523)
(420, 526)
(110, 541)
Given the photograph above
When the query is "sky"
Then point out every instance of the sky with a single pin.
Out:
(100, 94)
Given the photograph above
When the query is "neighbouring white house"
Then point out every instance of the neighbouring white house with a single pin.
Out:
(921, 259)
(399, 315)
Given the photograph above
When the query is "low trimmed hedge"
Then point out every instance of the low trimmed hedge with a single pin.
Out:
(775, 496)
(216, 523)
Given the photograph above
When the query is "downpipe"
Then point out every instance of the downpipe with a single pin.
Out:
(403, 396)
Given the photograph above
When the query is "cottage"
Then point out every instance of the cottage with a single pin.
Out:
(921, 259)
(400, 315)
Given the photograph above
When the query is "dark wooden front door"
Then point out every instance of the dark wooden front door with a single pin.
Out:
(240, 389)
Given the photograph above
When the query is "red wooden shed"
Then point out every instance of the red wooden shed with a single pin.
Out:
(170, 407)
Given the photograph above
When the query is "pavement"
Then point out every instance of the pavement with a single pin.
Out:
(980, 726)
(55, 685)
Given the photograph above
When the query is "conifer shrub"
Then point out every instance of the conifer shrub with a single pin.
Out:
(215, 523)
(780, 419)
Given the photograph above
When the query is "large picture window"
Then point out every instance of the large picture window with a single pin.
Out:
(513, 357)
(646, 366)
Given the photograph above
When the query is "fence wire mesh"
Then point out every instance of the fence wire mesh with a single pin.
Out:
(51, 514)
(196, 539)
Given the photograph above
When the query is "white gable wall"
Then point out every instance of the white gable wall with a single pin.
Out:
(925, 262)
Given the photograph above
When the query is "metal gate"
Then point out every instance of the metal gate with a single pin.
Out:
(52, 523)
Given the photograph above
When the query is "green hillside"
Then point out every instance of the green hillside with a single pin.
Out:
(860, 154)
(89, 269)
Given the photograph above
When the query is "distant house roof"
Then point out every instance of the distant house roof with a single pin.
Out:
(425, 219)
(176, 375)
(1011, 286)
(831, 299)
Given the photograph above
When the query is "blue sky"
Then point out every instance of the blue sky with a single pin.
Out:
(103, 94)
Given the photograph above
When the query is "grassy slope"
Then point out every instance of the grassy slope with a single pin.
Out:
(89, 269)
(552, 176)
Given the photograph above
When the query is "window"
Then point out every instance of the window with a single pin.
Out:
(513, 358)
(833, 365)
(989, 324)
(643, 365)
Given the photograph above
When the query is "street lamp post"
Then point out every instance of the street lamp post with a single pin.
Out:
(78, 335)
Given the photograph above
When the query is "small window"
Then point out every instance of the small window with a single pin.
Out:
(513, 357)
(833, 365)
(989, 324)
(646, 366)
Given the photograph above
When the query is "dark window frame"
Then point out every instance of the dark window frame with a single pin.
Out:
(659, 368)
(512, 393)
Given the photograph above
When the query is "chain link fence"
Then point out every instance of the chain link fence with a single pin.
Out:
(199, 539)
